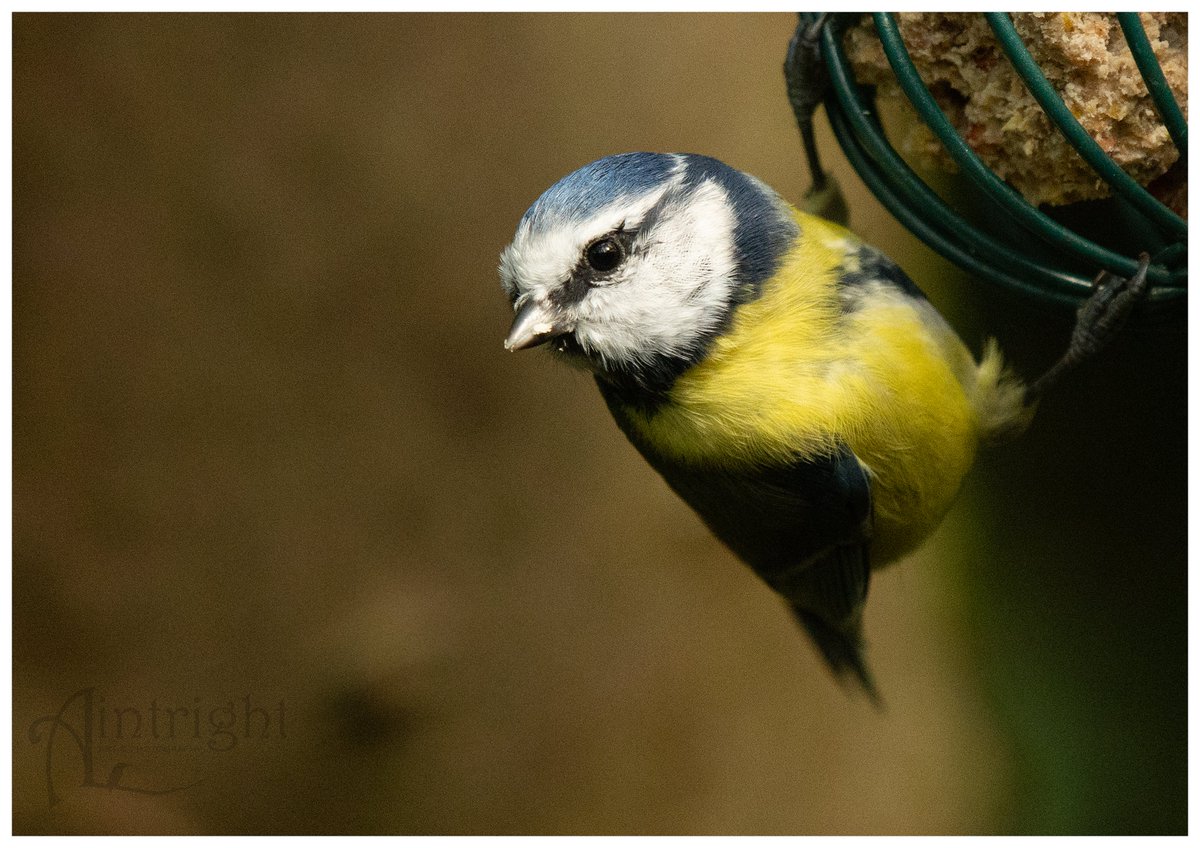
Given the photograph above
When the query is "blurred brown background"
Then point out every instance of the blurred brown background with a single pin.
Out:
(268, 450)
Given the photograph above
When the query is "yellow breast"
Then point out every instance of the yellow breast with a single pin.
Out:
(793, 376)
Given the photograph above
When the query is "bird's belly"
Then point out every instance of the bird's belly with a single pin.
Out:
(898, 405)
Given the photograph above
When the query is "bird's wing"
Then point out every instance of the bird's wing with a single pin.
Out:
(782, 519)
(804, 528)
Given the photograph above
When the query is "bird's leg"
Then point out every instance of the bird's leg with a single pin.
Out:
(1097, 322)
(807, 83)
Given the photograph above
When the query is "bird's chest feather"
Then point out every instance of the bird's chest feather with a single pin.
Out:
(796, 378)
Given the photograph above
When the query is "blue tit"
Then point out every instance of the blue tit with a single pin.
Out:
(788, 381)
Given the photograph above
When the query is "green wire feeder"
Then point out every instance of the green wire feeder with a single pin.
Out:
(1020, 247)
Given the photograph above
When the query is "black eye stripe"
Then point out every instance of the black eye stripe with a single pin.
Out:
(570, 291)
(588, 273)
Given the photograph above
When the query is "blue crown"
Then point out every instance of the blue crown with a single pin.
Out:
(763, 227)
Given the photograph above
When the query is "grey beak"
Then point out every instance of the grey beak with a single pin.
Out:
(534, 325)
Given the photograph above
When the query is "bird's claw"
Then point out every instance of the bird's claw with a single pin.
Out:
(1102, 315)
(1097, 322)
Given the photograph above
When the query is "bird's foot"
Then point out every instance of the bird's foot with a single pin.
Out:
(1097, 322)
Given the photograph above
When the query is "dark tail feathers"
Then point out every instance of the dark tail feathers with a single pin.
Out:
(842, 648)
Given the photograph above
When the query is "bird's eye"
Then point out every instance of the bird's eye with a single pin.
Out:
(605, 254)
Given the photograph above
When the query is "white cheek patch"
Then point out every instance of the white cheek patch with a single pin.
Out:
(673, 294)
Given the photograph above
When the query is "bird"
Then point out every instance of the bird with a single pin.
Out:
(787, 380)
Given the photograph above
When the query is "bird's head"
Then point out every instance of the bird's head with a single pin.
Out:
(632, 264)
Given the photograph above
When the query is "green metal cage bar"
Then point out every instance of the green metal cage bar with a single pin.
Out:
(1028, 215)
(1057, 111)
(957, 253)
(916, 205)
(1156, 81)
(1063, 273)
